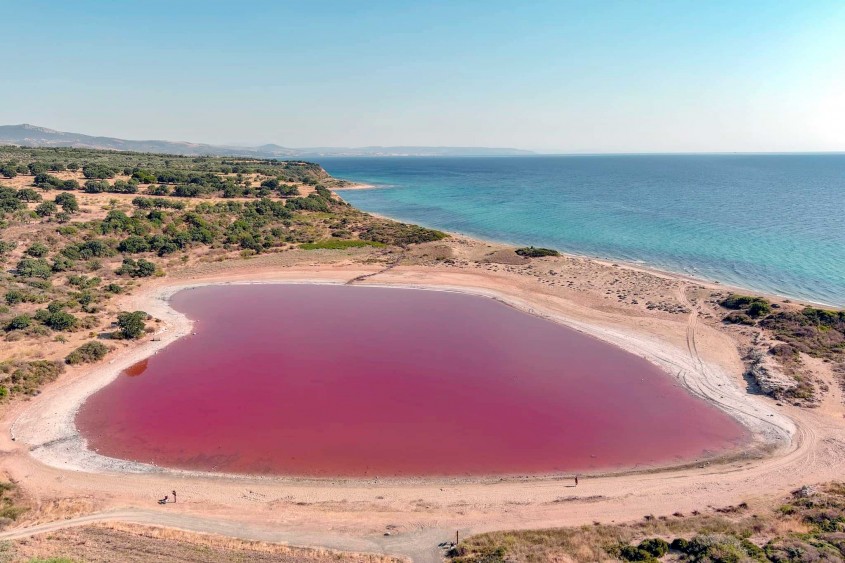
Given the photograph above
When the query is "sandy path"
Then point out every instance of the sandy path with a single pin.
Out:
(805, 445)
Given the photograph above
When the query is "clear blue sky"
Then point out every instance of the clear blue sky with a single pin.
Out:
(589, 76)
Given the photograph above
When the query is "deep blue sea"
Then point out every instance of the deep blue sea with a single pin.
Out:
(774, 223)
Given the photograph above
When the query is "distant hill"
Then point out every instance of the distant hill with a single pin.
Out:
(33, 136)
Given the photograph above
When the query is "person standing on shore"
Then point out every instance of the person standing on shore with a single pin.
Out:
(576, 484)
(174, 496)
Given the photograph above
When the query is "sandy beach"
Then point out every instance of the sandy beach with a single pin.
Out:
(666, 319)
(355, 186)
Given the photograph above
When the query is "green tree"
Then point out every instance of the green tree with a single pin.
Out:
(45, 209)
(97, 171)
(131, 325)
(136, 269)
(96, 186)
(68, 202)
(37, 168)
(133, 245)
(28, 194)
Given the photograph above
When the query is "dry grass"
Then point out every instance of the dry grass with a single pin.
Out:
(131, 543)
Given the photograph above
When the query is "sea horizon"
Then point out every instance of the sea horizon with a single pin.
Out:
(668, 212)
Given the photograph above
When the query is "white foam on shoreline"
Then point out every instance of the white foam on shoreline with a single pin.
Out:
(47, 425)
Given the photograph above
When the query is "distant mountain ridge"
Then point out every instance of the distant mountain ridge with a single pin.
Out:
(34, 136)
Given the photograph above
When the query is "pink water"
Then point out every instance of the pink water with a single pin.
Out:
(356, 381)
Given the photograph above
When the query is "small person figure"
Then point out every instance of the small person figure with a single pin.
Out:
(174, 496)
(576, 480)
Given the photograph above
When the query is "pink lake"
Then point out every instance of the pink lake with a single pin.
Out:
(316, 380)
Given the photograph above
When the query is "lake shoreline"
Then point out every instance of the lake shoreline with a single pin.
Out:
(792, 445)
(54, 439)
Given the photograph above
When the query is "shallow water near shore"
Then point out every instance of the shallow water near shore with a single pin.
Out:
(357, 381)
(771, 223)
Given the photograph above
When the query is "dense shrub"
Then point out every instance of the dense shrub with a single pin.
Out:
(400, 234)
(7, 246)
(34, 268)
(68, 202)
(14, 296)
(19, 323)
(95, 248)
(532, 252)
(143, 176)
(96, 186)
(187, 191)
(62, 263)
(45, 209)
(131, 325)
(817, 332)
(28, 194)
(133, 245)
(8, 170)
(36, 168)
(136, 268)
(97, 171)
(10, 200)
(753, 306)
(287, 190)
(58, 320)
(157, 202)
(717, 548)
(89, 352)
(37, 250)
(49, 182)
(310, 203)
(736, 317)
(656, 547)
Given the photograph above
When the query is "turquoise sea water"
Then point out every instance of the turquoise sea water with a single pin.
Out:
(774, 223)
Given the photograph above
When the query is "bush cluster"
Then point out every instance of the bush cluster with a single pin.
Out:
(754, 307)
(400, 234)
(89, 352)
(532, 252)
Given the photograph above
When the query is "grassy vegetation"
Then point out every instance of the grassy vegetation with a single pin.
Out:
(27, 377)
(78, 227)
(128, 543)
(809, 526)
